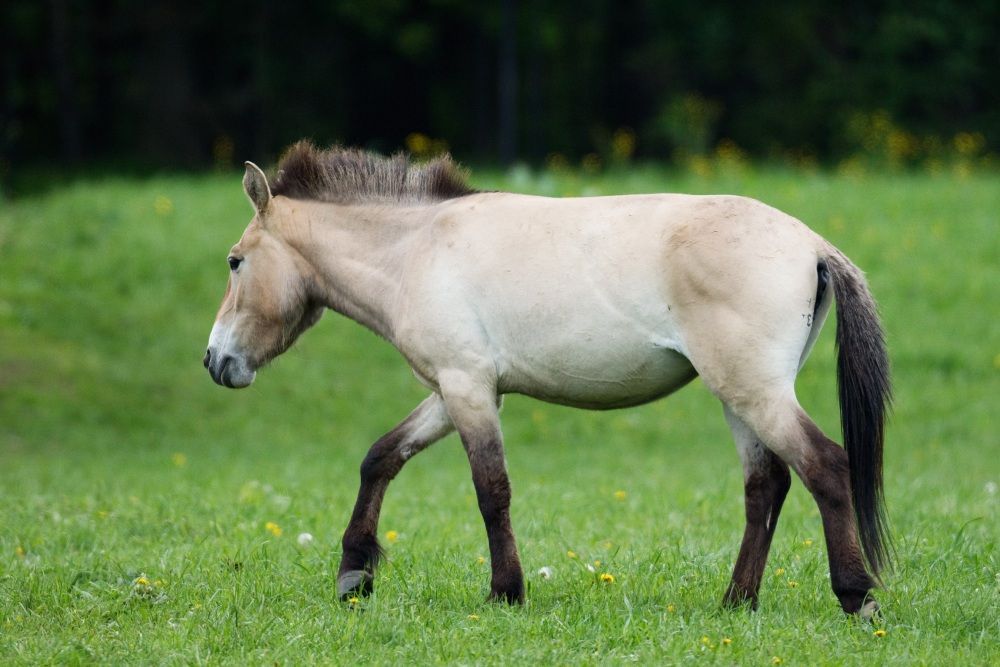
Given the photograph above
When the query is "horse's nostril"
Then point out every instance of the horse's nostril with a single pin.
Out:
(208, 358)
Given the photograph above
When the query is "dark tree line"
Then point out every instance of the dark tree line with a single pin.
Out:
(187, 84)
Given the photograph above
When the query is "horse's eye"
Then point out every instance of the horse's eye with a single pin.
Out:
(234, 263)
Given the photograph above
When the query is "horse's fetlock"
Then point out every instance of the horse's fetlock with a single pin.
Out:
(509, 589)
(361, 551)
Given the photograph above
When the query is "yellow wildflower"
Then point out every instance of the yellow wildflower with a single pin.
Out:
(671, 608)
(418, 143)
(793, 584)
(473, 617)
(780, 571)
(353, 600)
(807, 543)
(141, 581)
(480, 560)
(162, 205)
(726, 641)
(273, 528)
(619, 495)
(391, 535)
(607, 578)
(776, 660)
(19, 551)
(179, 459)
(880, 633)
(705, 640)
(571, 554)
(597, 563)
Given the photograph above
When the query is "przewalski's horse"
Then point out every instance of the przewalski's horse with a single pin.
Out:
(598, 302)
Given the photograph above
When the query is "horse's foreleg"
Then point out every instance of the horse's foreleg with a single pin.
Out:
(765, 483)
(473, 409)
(427, 424)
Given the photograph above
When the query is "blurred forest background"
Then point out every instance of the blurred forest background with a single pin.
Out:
(166, 84)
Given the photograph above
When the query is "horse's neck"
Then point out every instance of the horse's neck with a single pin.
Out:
(357, 253)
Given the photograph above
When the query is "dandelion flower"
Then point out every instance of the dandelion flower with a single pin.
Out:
(392, 536)
(780, 571)
(726, 641)
(571, 554)
(480, 560)
(353, 600)
(597, 563)
(179, 459)
(807, 543)
(545, 572)
(776, 660)
(162, 205)
(19, 551)
(705, 640)
(473, 617)
(880, 633)
(793, 584)
(671, 608)
(607, 578)
(619, 495)
(143, 587)
(273, 528)
(304, 539)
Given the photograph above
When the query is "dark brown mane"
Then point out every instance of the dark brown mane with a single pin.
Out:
(348, 175)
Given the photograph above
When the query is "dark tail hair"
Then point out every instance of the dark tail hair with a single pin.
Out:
(865, 396)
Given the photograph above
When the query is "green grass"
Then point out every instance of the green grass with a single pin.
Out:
(120, 459)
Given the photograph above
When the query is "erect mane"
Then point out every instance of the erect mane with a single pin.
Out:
(349, 176)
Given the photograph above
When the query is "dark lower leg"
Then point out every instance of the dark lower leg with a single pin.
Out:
(489, 475)
(826, 475)
(764, 490)
(361, 550)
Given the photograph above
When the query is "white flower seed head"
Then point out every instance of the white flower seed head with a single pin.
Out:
(545, 572)
(305, 539)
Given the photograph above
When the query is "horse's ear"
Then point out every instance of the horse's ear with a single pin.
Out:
(256, 187)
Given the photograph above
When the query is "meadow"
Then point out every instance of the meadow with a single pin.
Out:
(149, 516)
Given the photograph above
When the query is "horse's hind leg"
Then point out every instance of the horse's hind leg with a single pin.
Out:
(787, 430)
(825, 472)
(765, 484)
(427, 424)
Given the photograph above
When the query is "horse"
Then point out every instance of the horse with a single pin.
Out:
(592, 302)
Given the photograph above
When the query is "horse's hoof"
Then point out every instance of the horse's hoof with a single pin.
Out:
(354, 583)
(869, 610)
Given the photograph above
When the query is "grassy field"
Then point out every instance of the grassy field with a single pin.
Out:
(149, 516)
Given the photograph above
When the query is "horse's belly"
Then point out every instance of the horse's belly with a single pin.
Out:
(597, 377)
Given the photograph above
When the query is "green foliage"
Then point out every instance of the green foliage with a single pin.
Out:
(154, 83)
(142, 504)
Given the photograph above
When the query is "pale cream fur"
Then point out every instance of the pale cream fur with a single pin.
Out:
(593, 302)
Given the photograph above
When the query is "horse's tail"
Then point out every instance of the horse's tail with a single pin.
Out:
(865, 394)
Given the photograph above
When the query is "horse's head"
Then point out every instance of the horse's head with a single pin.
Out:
(270, 298)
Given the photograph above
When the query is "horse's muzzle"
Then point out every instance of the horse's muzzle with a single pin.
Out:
(228, 370)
